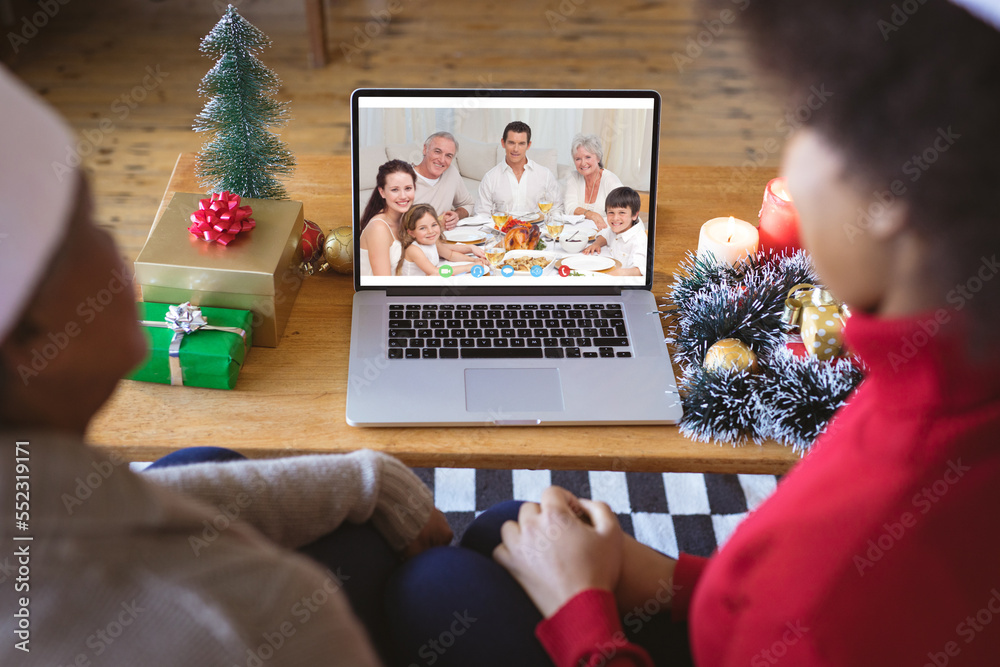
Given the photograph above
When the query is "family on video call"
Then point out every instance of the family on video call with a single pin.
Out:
(526, 218)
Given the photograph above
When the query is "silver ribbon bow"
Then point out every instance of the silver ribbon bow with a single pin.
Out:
(185, 319)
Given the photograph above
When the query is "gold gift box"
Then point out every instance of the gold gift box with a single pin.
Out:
(257, 271)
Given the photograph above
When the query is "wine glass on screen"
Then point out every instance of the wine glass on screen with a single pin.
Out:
(545, 205)
(494, 253)
(553, 224)
(500, 214)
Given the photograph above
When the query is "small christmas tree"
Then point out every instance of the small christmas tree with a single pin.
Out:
(243, 156)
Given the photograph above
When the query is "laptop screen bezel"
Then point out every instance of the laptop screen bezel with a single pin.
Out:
(495, 289)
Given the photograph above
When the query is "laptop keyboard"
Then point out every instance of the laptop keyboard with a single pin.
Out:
(507, 331)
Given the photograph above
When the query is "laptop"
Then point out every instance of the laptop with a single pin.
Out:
(541, 334)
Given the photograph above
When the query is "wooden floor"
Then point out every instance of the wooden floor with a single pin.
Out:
(132, 67)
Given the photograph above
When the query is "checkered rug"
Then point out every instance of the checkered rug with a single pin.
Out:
(671, 512)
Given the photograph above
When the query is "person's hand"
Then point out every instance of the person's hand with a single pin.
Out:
(597, 218)
(436, 533)
(450, 219)
(477, 251)
(555, 554)
(591, 250)
(571, 500)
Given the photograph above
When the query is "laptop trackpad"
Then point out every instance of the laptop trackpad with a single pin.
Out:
(499, 390)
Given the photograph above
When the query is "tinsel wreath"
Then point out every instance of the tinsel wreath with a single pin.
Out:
(791, 399)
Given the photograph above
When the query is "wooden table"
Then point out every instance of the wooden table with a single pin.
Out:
(290, 399)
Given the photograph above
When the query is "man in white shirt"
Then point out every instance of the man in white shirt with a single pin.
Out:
(440, 186)
(625, 234)
(518, 182)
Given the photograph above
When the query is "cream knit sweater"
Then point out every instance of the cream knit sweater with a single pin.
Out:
(124, 570)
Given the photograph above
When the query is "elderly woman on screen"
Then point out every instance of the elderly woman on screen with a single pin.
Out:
(587, 188)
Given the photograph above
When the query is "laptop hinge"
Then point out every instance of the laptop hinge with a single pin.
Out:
(493, 292)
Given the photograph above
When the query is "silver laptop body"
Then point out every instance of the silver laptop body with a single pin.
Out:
(615, 379)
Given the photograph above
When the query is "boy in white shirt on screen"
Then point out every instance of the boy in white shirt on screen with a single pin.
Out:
(625, 235)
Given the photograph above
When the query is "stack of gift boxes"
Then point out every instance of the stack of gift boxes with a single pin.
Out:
(215, 281)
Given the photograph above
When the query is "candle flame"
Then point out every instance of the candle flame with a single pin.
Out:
(731, 229)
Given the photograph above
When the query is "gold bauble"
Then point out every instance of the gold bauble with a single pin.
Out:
(730, 353)
(339, 250)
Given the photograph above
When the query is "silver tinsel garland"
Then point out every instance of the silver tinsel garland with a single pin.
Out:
(791, 399)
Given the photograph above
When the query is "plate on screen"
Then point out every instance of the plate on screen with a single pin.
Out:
(459, 235)
(588, 262)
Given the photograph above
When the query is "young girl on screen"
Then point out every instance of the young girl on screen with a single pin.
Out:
(424, 246)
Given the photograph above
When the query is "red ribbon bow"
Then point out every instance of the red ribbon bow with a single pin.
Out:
(221, 218)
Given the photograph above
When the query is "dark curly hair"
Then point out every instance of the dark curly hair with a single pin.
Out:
(913, 100)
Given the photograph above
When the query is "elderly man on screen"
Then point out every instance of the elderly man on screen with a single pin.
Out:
(519, 182)
(439, 186)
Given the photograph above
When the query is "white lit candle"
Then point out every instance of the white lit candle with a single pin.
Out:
(729, 239)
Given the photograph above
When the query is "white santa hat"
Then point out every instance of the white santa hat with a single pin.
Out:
(37, 193)
(985, 10)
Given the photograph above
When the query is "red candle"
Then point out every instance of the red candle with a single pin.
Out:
(779, 221)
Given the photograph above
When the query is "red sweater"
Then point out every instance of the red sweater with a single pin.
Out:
(882, 547)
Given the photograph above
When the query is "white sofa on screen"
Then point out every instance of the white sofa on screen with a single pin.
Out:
(474, 159)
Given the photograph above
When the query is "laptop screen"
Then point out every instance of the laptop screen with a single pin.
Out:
(512, 190)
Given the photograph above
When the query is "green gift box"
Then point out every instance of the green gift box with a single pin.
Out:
(257, 272)
(206, 357)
